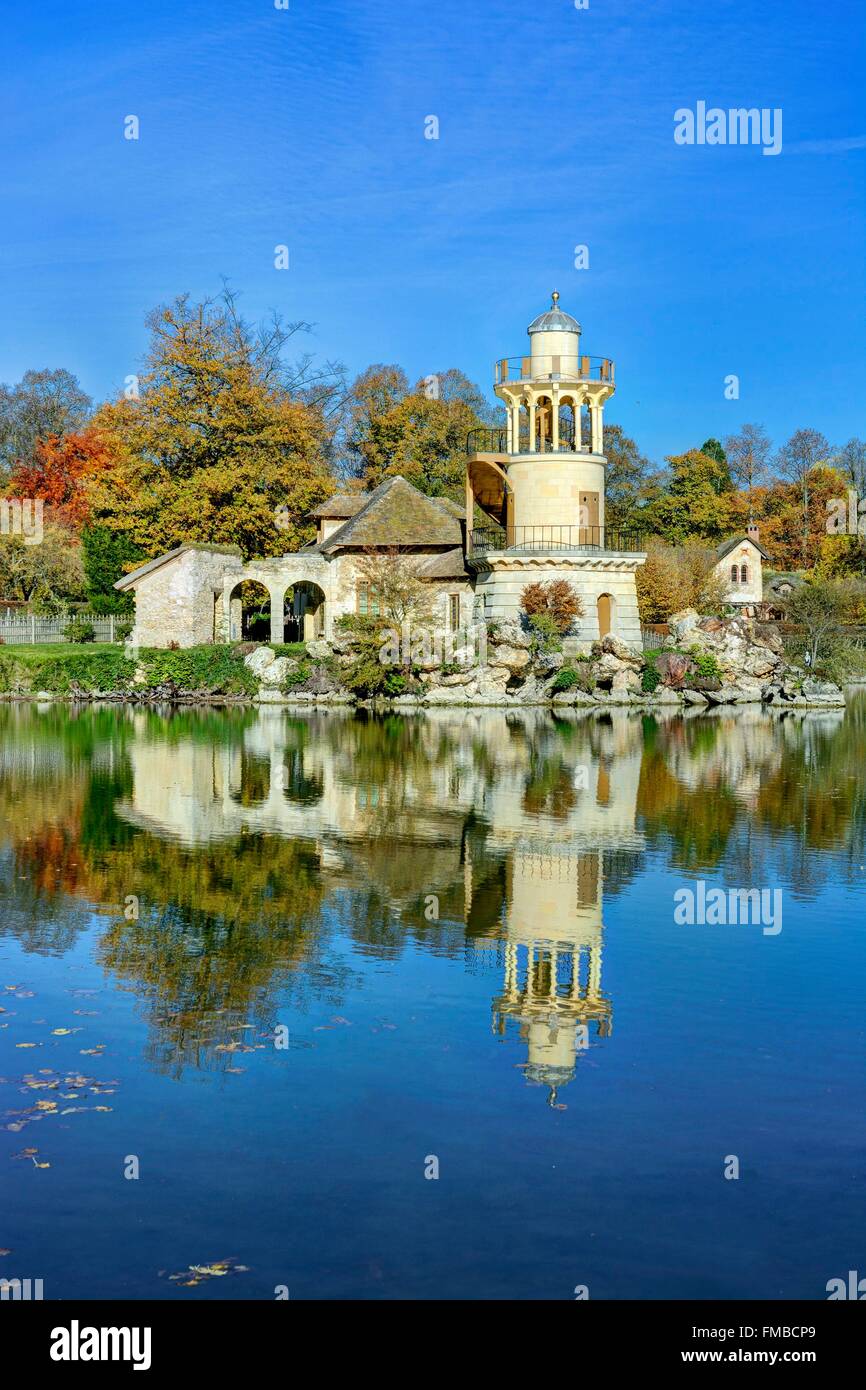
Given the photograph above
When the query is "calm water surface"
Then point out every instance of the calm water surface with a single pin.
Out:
(463, 927)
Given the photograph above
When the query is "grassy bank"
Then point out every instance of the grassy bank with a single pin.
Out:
(63, 668)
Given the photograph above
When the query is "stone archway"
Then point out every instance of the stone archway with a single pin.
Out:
(305, 615)
(249, 604)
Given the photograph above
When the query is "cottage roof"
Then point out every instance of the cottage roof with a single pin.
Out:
(733, 541)
(449, 564)
(343, 504)
(134, 575)
(397, 514)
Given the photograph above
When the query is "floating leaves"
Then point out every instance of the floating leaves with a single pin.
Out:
(201, 1274)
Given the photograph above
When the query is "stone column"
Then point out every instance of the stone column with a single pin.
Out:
(596, 437)
(532, 427)
(278, 599)
(554, 422)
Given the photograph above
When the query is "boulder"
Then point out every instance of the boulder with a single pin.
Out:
(319, 649)
(275, 672)
(514, 659)
(817, 692)
(259, 660)
(695, 697)
(626, 681)
(509, 635)
(493, 680)
(612, 646)
(548, 662)
(673, 667)
(682, 625)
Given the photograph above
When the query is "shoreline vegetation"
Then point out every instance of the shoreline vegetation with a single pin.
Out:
(704, 663)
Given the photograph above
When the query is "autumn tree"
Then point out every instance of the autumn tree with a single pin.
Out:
(677, 577)
(58, 473)
(748, 458)
(44, 404)
(419, 433)
(558, 601)
(223, 442)
(626, 478)
(47, 575)
(692, 500)
(796, 461)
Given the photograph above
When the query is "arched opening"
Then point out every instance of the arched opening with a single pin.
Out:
(305, 612)
(606, 607)
(249, 612)
(744, 574)
(569, 424)
(544, 424)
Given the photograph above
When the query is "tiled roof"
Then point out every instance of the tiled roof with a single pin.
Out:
(343, 504)
(397, 514)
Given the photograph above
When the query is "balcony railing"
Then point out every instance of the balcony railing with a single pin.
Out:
(495, 441)
(580, 539)
(547, 368)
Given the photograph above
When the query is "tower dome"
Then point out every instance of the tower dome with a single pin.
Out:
(554, 319)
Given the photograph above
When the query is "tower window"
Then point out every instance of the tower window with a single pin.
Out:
(453, 611)
(735, 574)
(744, 574)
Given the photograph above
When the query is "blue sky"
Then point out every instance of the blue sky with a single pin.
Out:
(305, 127)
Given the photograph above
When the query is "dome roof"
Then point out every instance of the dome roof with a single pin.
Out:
(554, 320)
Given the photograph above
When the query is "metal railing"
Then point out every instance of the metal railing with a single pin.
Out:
(495, 441)
(553, 368)
(522, 539)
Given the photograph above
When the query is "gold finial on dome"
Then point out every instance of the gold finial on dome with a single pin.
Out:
(554, 299)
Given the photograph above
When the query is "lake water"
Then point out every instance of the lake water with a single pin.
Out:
(399, 1007)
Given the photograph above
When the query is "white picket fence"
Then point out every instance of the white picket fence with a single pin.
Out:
(32, 628)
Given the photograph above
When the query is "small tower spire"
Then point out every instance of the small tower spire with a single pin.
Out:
(554, 299)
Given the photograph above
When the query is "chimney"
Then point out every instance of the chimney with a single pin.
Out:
(753, 532)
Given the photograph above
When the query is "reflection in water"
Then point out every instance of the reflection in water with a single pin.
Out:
(180, 884)
(248, 837)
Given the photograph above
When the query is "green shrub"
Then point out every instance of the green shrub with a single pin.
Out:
(708, 666)
(78, 631)
(546, 634)
(301, 673)
(91, 671)
(650, 678)
(122, 631)
(569, 679)
(215, 670)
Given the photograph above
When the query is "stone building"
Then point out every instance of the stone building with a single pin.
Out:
(534, 511)
(739, 561)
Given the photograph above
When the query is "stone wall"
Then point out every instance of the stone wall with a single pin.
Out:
(178, 601)
(501, 586)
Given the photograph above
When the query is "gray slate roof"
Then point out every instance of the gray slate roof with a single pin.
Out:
(397, 514)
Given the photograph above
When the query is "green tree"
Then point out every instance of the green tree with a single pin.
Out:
(692, 500)
(796, 460)
(108, 555)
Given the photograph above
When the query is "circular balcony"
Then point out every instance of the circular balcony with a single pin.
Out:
(494, 440)
(527, 540)
(537, 368)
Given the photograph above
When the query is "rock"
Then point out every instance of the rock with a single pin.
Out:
(548, 662)
(458, 678)
(509, 635)
(455, 695)
(259, 660)
(342, 643)
(682, 624)
(626, 681)
(673, 667)
(817, 692)
(761, 661)
(664, 696)
(275, 671)
(512, 658)
(319, 649)
(270, 695)
(694, 697)
(612, 646)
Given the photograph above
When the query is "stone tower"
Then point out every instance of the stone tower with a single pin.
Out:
(540, 484)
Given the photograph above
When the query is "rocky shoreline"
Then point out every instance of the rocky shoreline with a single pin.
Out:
(705, 663)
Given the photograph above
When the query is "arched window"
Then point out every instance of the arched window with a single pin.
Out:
(734, 574)
(744, 574)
